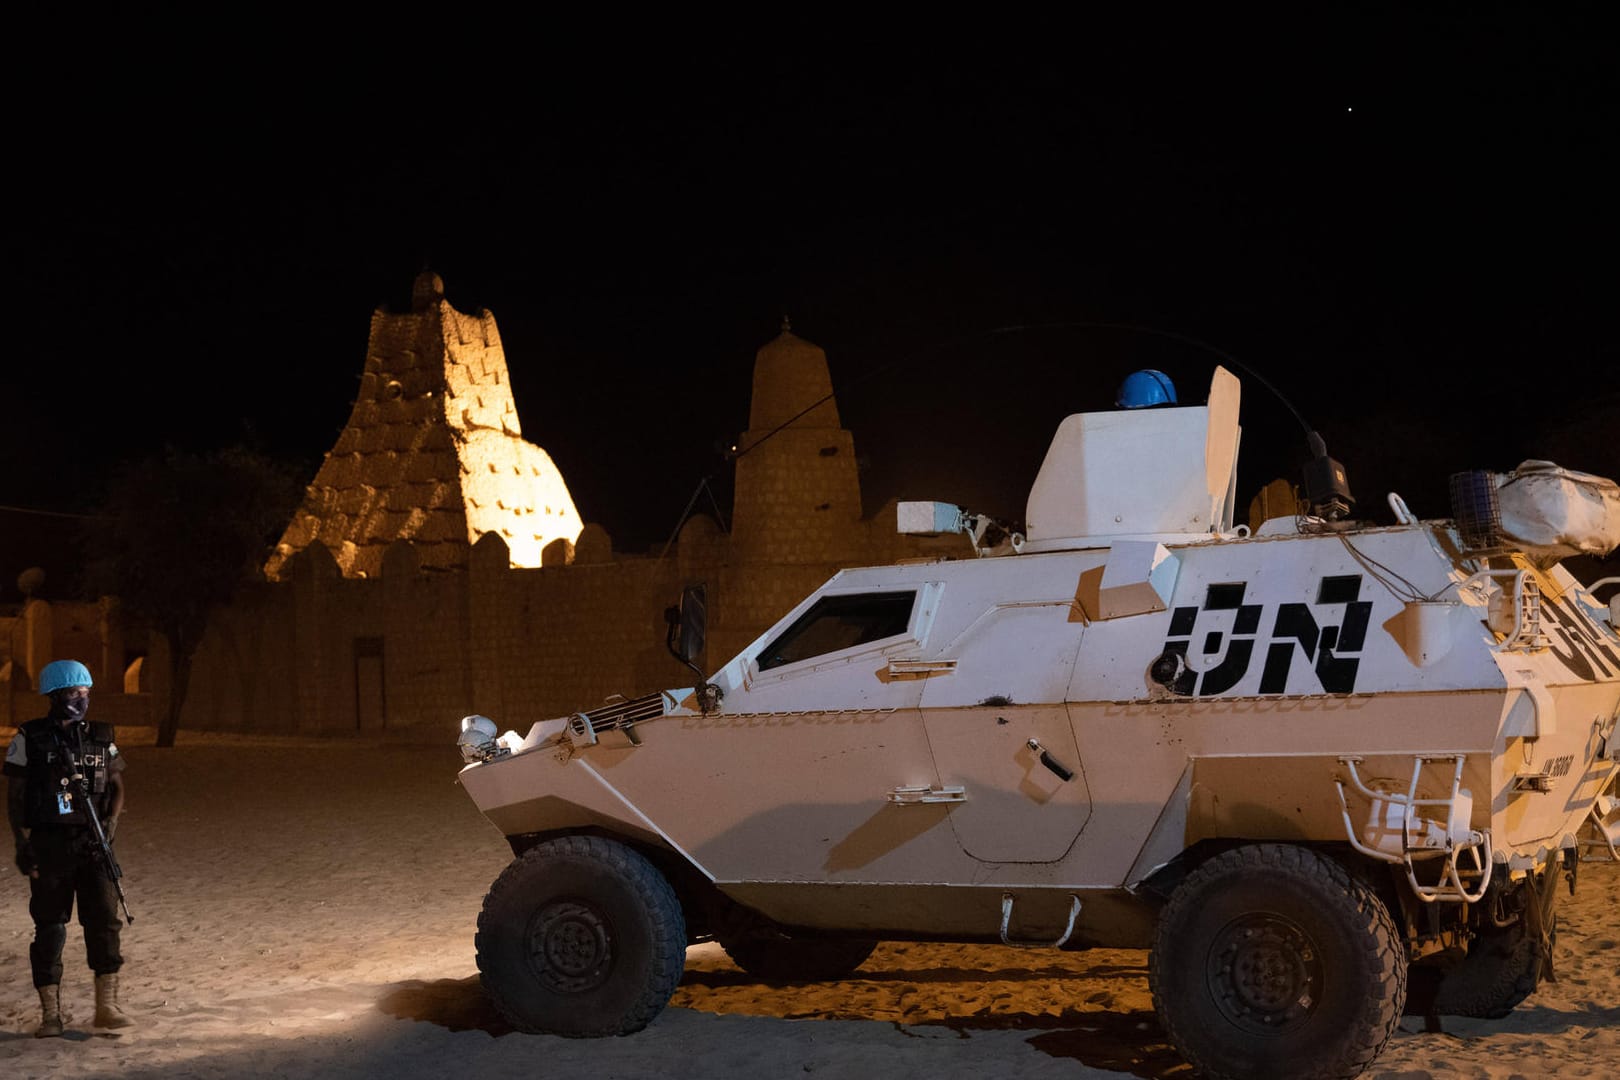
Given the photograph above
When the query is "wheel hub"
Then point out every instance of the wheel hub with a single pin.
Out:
(1264, 973)
(570, 947)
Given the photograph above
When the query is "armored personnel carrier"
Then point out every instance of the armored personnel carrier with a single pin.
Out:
(1326, 771)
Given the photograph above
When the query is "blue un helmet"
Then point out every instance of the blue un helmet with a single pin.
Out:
(1144, 388)
(62, 674)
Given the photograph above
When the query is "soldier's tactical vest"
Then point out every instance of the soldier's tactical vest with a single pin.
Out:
(48, 797)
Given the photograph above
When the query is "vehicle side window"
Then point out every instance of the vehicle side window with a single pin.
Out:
(840, 622)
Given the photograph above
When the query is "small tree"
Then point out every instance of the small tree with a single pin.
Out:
(177, 534)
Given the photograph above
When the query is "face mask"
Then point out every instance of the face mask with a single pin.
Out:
(73, 708)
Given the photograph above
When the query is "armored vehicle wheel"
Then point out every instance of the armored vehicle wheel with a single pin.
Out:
(1499, 972)
(1271, 960)
(780, 958)
(581, 936)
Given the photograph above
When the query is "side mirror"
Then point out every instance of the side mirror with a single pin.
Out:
(688, 625)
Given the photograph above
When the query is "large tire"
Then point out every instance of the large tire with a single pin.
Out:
(1499, 972)
(581, 936)
(1271, 960)
(779, 958)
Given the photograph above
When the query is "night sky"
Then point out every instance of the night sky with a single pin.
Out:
(1406, 224)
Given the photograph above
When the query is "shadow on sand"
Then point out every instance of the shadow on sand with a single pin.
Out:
(1129, 1042)
(1121, 1041)
(453, 1004)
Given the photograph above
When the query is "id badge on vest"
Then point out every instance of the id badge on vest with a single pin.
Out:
(64, 802)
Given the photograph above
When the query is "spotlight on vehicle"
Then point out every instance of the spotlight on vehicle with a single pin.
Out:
(478, 739)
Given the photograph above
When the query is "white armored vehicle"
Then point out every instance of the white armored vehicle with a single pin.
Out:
(1314, 768)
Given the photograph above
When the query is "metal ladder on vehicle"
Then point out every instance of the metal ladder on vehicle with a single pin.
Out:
(1525, 594)
(1451, 842)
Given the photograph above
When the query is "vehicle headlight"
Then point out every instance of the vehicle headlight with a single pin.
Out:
(477, 741)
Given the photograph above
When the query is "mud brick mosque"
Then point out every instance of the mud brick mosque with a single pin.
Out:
(437, 565)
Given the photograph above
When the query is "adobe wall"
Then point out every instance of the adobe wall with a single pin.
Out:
(89, 632)
(412, 588)
(517, 644)
(436, 566)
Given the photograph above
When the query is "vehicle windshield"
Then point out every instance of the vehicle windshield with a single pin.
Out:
(840, 622)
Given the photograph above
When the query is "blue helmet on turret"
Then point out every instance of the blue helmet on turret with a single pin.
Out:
(1144, 388)
(62, 674)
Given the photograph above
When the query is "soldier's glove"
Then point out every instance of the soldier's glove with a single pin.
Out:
(26, 863)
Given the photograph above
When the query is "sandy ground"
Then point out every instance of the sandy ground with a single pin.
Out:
(306, 908)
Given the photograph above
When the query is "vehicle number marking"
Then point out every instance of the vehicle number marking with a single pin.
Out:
(1585, 654)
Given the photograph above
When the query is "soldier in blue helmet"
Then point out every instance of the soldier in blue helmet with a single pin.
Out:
(1145, 389)
(55, 845)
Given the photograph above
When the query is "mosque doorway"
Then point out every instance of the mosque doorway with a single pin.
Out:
(370, 700)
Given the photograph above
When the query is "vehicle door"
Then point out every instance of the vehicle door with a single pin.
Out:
(997, 723)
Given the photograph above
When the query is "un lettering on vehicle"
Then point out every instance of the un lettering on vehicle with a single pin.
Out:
(1327, 635)
(1574, 640)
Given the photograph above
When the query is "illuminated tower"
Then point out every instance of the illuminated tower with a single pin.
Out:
(433, 452)
(798, 495)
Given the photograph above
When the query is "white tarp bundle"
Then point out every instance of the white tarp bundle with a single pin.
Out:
(1550, 512)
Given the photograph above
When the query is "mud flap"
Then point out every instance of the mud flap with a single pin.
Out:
(1540, 915)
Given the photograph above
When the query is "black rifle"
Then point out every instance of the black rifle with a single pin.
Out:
(81, 791)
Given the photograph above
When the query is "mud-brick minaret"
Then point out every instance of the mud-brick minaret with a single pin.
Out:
(433, 452)
(798, 495)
